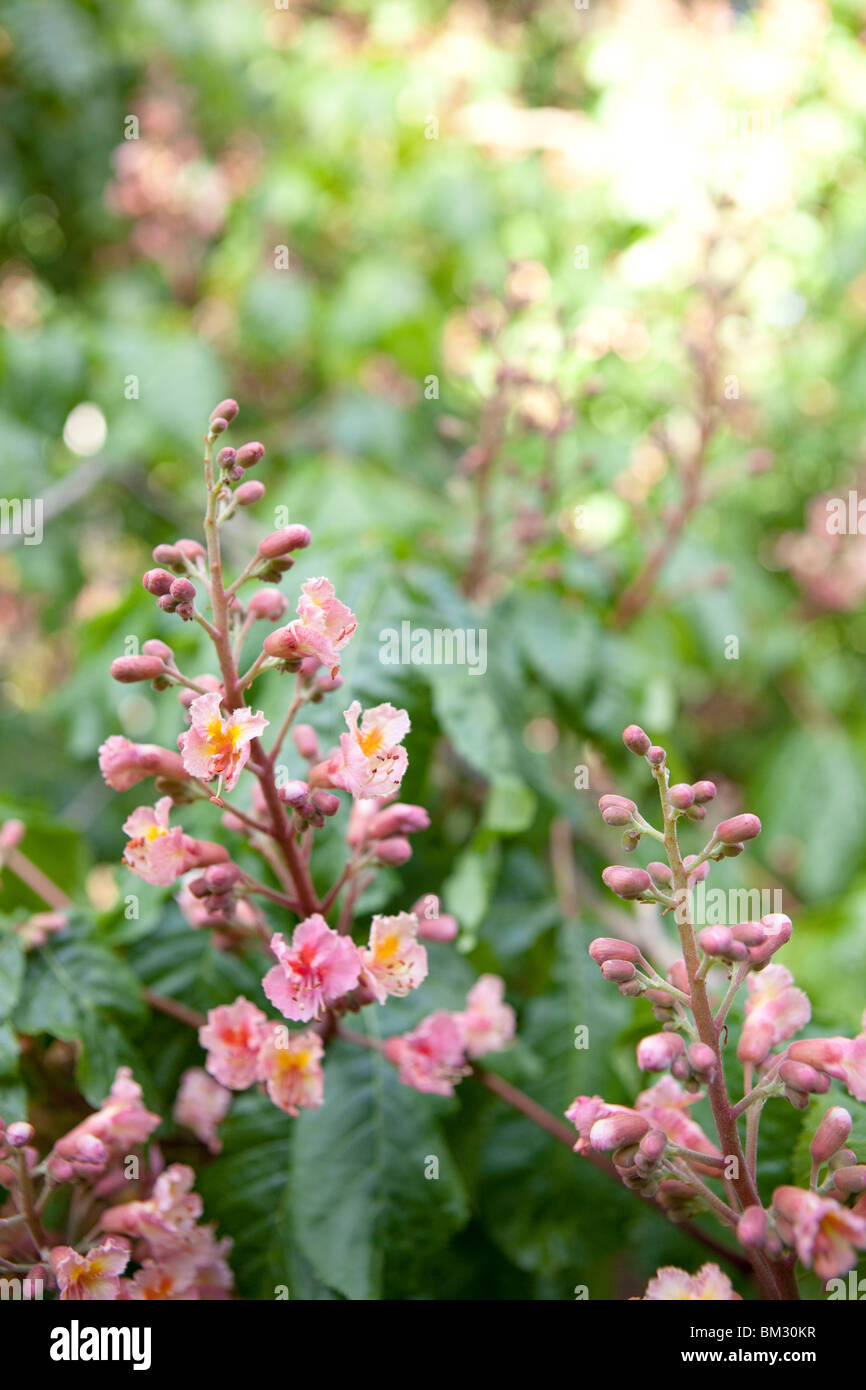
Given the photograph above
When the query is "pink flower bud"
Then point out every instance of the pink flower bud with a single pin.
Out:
(394, 851)
(801, 1077)
(400, 818)
(850, 1180)
(656, 756)
(220, 877)
(192, 550)
(745, 827)
(204, 852)
(153, 647)
(168, 555)
(226, 457)
(248, 455)
(442, 928)
(660, 873)
(127, 669)
(704, 791)
(295, 793)
(696, 812)
(626, 883)
(605, 948)
(218, 425)
(226, 410)
(618, 971)
(249, 493)
(635, 740)
(717, 941)
(282, 643)
(681, 796)
(269, 604)
(326, 803)
(702, 1060)
(752, 1228)
(157, 582)
(612, 799)
(281, 542)
(625, 1127)
(830, 1134)
(19, 1134)
(616, 815)
(306, 741)
(778, 929)
(183, 590)
(700, 873)
(658, 1051)
(653, 1145)
(731, 851)
(750, 933)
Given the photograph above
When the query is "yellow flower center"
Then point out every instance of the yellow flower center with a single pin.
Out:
(370, 742)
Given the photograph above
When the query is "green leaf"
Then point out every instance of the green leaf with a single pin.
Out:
(510, 806)
(11, 971)
(365, 1213)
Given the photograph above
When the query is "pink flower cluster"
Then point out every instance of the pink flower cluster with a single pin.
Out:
(433, 1057)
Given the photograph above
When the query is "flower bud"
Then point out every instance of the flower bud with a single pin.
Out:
(295, 793)
(700, 873)
(157, 582)
(696, 813)
(799, 1076)
(394, 851)
(752, 1228)
(750, 933)
(128, 669)
(738, 828)
(269, 604)
(279, 543)
(618, 971)
(719, 941)
(616, 815)
(12, 832)
(153, 647)
(183, 590)
(226, 410)
(630, 840)
(830, 1134)
(220, 877)
(778, 928)
(681, 795)
(845, 1158)
(850, 1180)
(702, 1060)
(326, 803)
(658, 1051)
(168, 555)
(635, 740)
(192, 550)
(218, 425)
(653, 1145)
(626, 883)
(704, 791)
(398, 819)
(660, 873)
(226, 457)
(656, 755)
(19, 1134)
(204, 852)
(605, 948)
(306, 741)
(249, 493)
(612, 799)
(248, 455)
(614, 1131)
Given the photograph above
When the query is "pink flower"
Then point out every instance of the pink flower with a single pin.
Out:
(291, 1066)
(155, 852)
(321, 630)
(232, 1036)
(371, 761)
(119, 1124)
(215, 746)
(165, 1218)
(671, 1284)
(123, 764)
(394, 962)
(201, 1105)
(666, 1105)
(431, 1058)
(170, 1279)
(825, 1235)
(95, 1275)
(842, 1058)
(487, 1023)
(316, 969)
(775, 1009)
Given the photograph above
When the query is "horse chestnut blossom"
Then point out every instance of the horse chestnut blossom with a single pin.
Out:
(92, 1276)
(394, 962)
(156, 852)
(372, 761)
(201, 1105)
(316, 970)
(290, 1064)
(487, 1023)
(432, 1057)
(233, 1036)
(655, 1147)
(215, 746)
